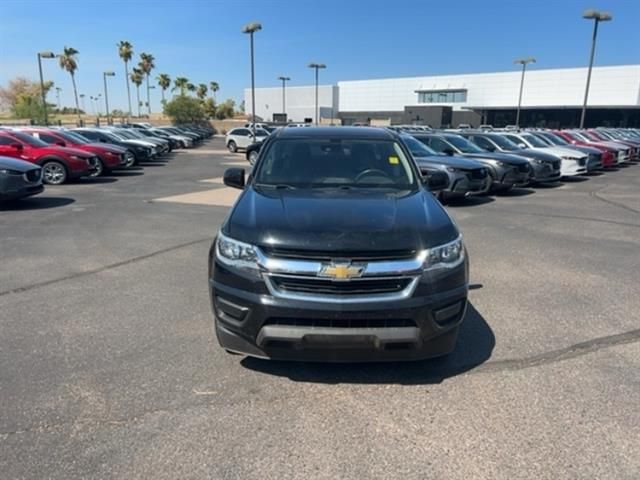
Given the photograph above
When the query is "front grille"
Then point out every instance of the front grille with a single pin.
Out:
(321, 286)
(524, 168)
(342, 322)
(328, 256)
(476, 173)
(33, 175)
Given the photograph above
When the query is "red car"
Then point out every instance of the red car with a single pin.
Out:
(609, 155)
(110, 157)
(58, 163)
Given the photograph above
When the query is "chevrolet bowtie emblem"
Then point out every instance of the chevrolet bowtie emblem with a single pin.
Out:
(341, 271)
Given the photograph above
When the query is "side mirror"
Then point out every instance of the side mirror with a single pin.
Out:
(490, 148)
(522, 145)
(17, 146)
(448, 151)
(234, 178)
(60, 143)
(436, 181)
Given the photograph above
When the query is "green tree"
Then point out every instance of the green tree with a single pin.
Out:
(69, 62)
(209, 107)
(214, 87)
(191, 87)
(180, 83)
(201, 91)
(23, 98)
(226, 109)
(147, 63)
(164, 81)
(137, 77)
(125, 50)
(184, 109)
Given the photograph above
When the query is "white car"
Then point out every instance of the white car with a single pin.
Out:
(573, 162)
(242, 138)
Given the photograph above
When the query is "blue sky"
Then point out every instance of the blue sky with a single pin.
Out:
(357, 39)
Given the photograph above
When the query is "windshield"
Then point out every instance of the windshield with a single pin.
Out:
(29, 140)
(534, 141)
(122, 134)
(72, 137)
(335, 162)
(418, 149)
(464, 145)
(553, 138)
(504, 143)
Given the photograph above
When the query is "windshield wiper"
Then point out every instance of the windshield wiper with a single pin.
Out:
(277, 186)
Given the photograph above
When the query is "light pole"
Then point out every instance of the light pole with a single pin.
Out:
(283, 79)
(317, 66)
(42, 55)
(252, 28)
(58, 90)
(98, 104)
(106, 93)
(597, 17)
(523, 62)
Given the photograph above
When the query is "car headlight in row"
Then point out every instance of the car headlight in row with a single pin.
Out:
(7, 171)
(236, 254)
(448, 255)
(452, 169)
(75, 157)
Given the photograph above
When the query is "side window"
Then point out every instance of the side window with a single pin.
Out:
(6, 141)
(514, 139)
(45, 137)
(90, 135)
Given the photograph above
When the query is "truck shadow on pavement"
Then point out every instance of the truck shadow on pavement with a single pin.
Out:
(36, 203)
(475, 345)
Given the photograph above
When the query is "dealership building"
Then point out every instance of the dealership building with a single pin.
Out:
(551, 98)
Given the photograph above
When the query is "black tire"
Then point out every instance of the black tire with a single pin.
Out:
(233, 148)
(100, 170)
(253, 157)
(54, 172)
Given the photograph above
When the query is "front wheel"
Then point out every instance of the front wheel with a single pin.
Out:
(54, 173)
(253, 157)
(129, 159)
(233, 148)
(99, 169)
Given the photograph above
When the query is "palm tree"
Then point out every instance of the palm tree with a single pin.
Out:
(164, 81)
(180, 83)
(201, 91)
(137, 77)
(125, 50)
(146, 65)
(214, 87)
(69, 62)
(191, 87)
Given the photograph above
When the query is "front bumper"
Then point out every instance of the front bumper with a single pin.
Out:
(251, 321)
(16, 188)
(461, 184)
(544, 172)
(572, 167)
(510, 176)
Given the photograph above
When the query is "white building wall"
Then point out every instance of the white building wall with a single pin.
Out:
(300, 102)
(610, 86)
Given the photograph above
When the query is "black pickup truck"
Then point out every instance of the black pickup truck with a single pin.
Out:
(336, 250)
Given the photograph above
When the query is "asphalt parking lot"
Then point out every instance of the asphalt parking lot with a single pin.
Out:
(109, 367)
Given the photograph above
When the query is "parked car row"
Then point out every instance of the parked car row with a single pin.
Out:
(481, 161)
(31, 156)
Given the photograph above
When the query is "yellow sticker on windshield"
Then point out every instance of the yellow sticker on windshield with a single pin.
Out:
(394, 160)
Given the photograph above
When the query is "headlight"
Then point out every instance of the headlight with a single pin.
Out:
(6, 171)
(448, 255)
(501, 164)
(451, 169)
(541, 162)
(236, 254)
(75, 157)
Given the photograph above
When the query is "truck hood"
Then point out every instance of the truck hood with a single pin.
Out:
(17, 165)
(339, 220)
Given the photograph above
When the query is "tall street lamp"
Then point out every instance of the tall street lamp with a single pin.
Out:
(597, 17)
(317, 66)
(106, 93)
(42, 55)
(523, 62)
(252, 28)
(283, 79)
(58, 90)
